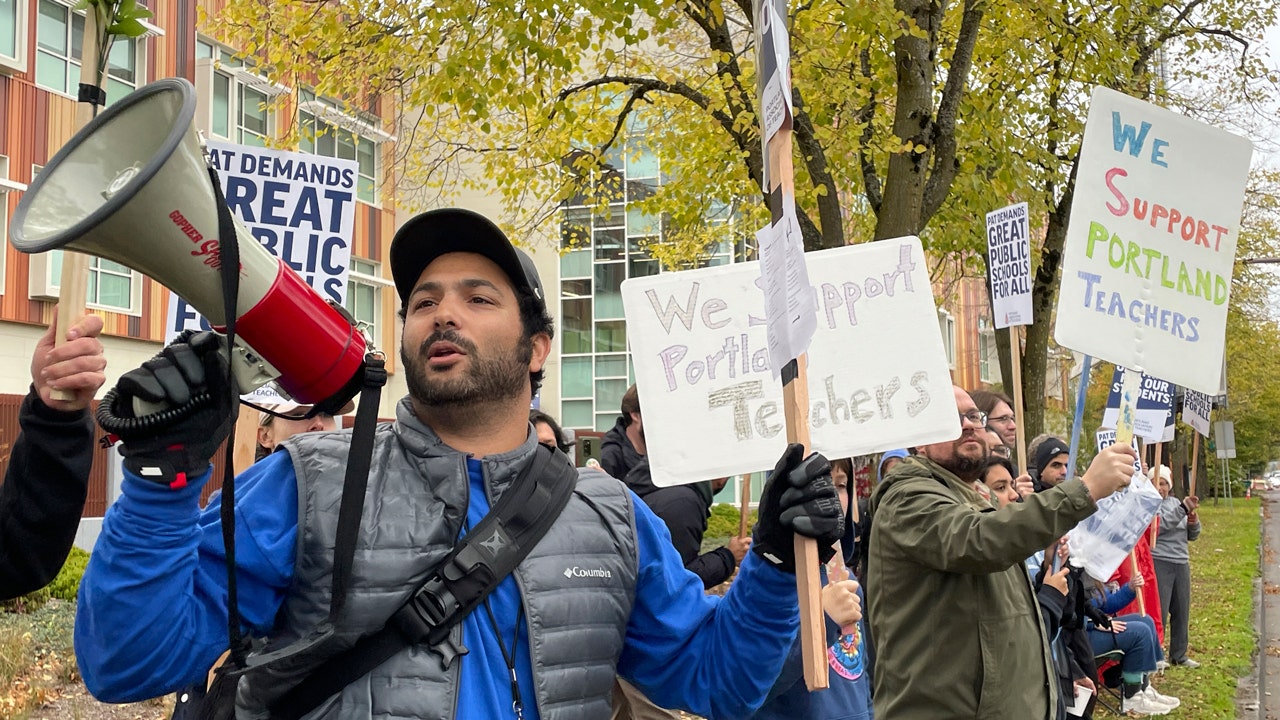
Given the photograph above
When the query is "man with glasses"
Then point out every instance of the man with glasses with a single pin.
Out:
(999, 410)
(946, 580)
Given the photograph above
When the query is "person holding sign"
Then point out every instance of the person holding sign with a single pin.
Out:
(848, 696)
(47, 481)
(601, 594)
(941, 557)
(1179, 523)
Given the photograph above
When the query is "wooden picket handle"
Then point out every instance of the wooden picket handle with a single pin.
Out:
(744, 510)
(73, 285)
(1015, 352)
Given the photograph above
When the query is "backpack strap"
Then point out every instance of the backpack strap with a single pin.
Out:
(478, 563)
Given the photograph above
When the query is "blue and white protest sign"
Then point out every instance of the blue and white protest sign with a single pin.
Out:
(300, 207)
(1009, 265)
(1154, 407)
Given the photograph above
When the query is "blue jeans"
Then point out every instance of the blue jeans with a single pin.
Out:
(1138, 641)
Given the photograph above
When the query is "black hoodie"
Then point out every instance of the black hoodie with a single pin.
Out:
(684, 509)
(617, 455)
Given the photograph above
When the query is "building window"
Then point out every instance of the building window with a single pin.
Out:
(235, 103)
(603, 244)
(110, 285)
(13, 35)
(59, 33)
(986, 351)
(327, 131)
(6, 186)
(947, 325)
(364, 294)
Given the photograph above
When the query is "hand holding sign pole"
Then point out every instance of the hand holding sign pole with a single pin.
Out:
(789, 311)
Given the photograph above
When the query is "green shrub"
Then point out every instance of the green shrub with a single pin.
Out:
(64, 586)
(724, 521)
(67, 583)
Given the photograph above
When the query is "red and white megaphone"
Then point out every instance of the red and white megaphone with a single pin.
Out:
(133, 187)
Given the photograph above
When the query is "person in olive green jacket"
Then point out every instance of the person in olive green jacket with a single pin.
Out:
(951, 608)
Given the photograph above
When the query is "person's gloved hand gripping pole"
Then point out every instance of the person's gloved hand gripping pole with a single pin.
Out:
(799, 498)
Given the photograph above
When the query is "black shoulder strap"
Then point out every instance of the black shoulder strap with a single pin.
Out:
(478, 563)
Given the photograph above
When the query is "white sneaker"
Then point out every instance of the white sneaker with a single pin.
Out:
(1168, 701)
(1162, 665)
(1143, 705)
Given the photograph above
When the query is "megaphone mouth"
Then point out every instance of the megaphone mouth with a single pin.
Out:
(125, 183)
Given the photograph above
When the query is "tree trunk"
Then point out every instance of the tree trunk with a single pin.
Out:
(1043, 292)
(914, 58)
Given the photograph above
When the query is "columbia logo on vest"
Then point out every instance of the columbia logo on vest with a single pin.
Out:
(578, 572)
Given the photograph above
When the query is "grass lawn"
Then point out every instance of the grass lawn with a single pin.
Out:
(1224, 562)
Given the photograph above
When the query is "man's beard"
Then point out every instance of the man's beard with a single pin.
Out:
(966, 467)
(505, 375)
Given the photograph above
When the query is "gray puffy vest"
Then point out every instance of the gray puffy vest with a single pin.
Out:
(414, 509)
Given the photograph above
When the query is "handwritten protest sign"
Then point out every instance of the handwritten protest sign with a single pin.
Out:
(698, 342)
(1009, 265)
(1196, 409)
(1154, 408)
(1151, 243)
(1104, 539)
(301, 207)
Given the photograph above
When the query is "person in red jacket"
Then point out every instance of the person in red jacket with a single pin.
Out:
(1150, 588)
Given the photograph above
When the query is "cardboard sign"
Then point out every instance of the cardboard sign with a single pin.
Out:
(301, 207)
(878, 376)
(1150, 247)
(1009, 265)
(1154, 409)
(1196, 409)
(1106, 437)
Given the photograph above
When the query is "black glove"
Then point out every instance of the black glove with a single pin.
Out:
(798, 499)
(189, 377)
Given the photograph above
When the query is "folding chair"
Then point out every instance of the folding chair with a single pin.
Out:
(1105, 662)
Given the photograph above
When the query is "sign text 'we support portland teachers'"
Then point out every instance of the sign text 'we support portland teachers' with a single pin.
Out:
(1151, 243)
(878, 376)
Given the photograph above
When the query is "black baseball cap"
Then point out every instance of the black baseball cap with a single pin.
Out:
(431, 234)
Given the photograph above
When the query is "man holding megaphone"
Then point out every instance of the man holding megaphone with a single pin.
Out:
(490, 577)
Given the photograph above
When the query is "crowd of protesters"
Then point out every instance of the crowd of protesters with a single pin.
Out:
(949, 589)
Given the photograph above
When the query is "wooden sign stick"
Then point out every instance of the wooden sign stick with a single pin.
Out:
(1015, 354)
(73, 285)
(1130, 390)
(744, 511)
(1195, 459)
(780, 186)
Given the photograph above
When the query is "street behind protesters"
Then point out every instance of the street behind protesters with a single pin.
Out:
(950, 602)
(601, 595)
(47, 481)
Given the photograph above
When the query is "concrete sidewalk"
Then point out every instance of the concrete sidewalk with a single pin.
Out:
(1258, 697)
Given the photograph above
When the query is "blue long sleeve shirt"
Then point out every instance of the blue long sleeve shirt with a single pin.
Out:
(152, 615)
